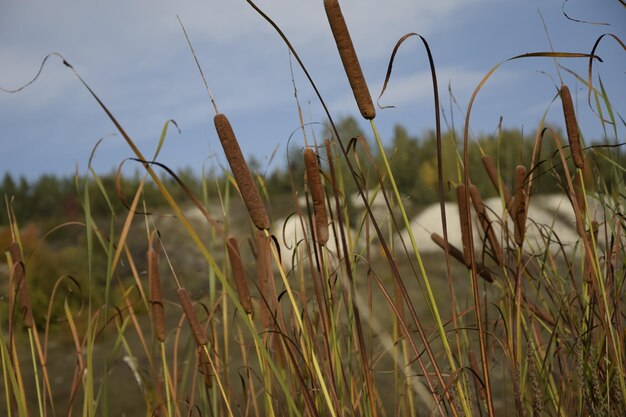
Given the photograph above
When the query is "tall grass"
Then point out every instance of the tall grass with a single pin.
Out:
(358, 321)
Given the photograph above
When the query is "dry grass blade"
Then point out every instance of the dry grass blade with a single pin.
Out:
(198, 331)
(317, 192)
(239, 274)
(572, 127)
(349, 59)
(247, 188)
(520, 208)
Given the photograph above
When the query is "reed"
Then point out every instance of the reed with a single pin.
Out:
(21, 287)
(156, 296)
(572, 127)
(198, 331)
(349, 59)
(456, 253)
(499, 186)
(317, 193)
(239, 274)
(486, 225)
(241, 172)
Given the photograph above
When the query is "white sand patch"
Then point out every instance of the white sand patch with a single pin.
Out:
(296, 238)
(550, 218)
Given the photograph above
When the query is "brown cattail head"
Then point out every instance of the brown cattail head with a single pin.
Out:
(196, 328)
(572, 127)
(461, 195)
(458, 255)
(317, 193)
(247, 188)
(19, 280)
(520, 209)
(349, 59)
(156, 297)
(267, 287)
(239, 274)
(492, 172)
(486, 224)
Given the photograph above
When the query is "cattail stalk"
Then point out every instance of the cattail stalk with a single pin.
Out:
(349, 59)
(196, 328)
(156, 297)
(456, 253)
(239, 275)
(317, 193)
(461, 195)
(19, 280)
(483, 218)
(247, 188)
(572, 127)
(520, 209)
(492, 172)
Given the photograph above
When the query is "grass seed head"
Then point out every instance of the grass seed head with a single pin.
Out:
(572, 127)
(239, 274)
(349, 59)
(247, 188)
(317, 193)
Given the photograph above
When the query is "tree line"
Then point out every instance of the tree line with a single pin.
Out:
(413, 159)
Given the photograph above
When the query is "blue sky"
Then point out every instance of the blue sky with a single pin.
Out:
(134, 55)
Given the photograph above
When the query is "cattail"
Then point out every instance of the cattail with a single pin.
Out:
(492, 172)
(239, 274)
(317, 192)
(349, 59)
(572, 127)
(247, 188)
(196, 327)
(461, 196)
(458, 255)
(267, 287)
(486, 224)
(19, 279)
(156, 297)
(520, 209)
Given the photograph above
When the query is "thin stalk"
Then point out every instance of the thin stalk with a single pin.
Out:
(168, 388)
